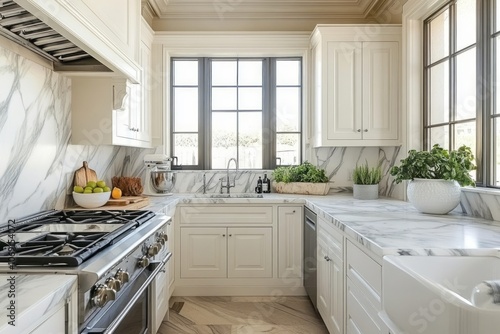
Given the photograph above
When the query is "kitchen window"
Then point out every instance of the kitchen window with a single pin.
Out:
(461, 94)
(244, 108)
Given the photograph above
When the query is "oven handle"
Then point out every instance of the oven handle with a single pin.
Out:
(158, 267)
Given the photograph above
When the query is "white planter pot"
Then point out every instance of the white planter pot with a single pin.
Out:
(365, 191)
(434, 196)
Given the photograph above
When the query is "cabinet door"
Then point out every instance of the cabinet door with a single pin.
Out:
(160, 296)
(290, 241)
(125, 120)
(343, 90)
(203, 252)
(323, 277)
(143, 120)
(336, 314)
(249, 252)
(380, 90)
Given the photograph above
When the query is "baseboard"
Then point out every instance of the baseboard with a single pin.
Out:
(238, 291)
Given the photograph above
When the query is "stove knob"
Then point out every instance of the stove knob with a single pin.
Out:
(162, 237)
(122, 276)
(143, 262)
(114, 284)
(153, 250)
(102, 294)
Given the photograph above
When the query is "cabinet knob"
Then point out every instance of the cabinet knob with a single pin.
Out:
(358, 130)
(327, 258)
(224, 235)
(366, 130)
(230, 235)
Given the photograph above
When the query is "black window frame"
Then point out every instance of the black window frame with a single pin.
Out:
(485, 86)
(269, 159)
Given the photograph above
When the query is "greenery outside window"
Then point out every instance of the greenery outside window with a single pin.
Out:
(244, 108)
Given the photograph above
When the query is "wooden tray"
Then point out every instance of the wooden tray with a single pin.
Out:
(123, 203)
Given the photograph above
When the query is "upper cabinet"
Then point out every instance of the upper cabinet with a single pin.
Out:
(356, 75)
(109, 30)
(114, 111)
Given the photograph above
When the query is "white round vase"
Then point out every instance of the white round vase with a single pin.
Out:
(434, 196)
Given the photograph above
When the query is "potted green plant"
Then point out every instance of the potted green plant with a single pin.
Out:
(302, 179)
(436, 177)
(365, 181)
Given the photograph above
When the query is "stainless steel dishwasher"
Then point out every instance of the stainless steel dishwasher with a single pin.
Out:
(310, 250)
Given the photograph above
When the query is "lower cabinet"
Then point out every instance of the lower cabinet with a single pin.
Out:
(226, 252)
(233, 249)
(363, 292)
(330, 273)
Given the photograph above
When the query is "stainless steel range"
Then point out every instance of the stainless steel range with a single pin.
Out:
(116, 255)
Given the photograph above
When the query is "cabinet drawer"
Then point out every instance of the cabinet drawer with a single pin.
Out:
(210, 214)
(366, 273)
(362, 317)
(333, 237)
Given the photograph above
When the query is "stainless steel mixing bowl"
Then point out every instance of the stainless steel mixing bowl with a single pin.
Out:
(162, 180)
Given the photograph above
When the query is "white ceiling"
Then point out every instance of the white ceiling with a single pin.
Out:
(190, 15)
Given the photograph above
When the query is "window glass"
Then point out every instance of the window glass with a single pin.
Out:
(185, 109)
(439, 93)
(224, 72)
(250, 73)
(224, 135)
(186, 148)
(288, 73)
(250, 140)
(186, 73)
(466, 85)
(466, 23)
(288, 148)
(287, 109)
(440, 36)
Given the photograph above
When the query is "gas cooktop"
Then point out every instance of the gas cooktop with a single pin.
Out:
(65, 238)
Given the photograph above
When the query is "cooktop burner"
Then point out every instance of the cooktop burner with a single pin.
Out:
(66, 238)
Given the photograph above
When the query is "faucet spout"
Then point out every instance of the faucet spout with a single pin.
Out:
(228, 182)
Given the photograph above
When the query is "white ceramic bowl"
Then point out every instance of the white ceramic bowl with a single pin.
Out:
(90, 201)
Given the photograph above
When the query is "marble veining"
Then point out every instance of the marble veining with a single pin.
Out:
(36, 296)
(384, 226)
(38, 159)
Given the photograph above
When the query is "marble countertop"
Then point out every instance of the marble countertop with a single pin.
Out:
(385, 226)
(35, 296)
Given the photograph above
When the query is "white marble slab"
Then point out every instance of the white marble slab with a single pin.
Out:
(35, 296)
(384, 226)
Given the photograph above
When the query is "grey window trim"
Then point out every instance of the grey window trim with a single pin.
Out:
(268, 109)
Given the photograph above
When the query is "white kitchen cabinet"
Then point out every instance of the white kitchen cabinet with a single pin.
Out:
(160, 296)
(290, 241)
(356, 85)
(363, 292)
(330, 276)
(111, 110)
(234, 249)
(226, 252)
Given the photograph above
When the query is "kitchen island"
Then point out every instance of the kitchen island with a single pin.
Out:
(38, 304)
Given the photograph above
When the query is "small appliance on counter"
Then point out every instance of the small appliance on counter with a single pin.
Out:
(159, 175)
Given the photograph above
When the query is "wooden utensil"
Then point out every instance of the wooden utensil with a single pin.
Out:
(83, 175)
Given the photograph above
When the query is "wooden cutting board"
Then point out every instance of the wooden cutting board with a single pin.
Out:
(83, 175)
(124, 203)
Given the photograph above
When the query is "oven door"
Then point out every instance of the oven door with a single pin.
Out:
(129, 313)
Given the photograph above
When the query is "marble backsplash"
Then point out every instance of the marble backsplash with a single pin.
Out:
(37, 159)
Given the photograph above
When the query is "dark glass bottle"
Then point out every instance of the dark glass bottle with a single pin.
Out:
(266, 184)
(258, 189)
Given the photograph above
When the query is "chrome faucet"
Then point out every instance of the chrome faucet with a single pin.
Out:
(228, 182)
